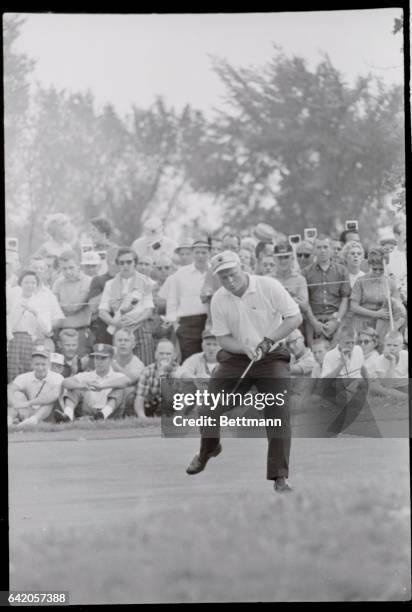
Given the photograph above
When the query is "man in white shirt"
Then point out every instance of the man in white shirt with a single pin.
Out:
(251, 317)
(201, 365)
(128, 364)
(184, 307)
(31, 395)
(390, 372)
(97, 393)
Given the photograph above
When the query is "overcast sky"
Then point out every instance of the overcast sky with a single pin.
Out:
(130, 58)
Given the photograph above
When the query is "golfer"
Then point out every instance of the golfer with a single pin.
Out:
(251, 315)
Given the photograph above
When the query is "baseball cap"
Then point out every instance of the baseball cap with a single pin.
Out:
(283, 248)
(224, 260)
(104, 350)
(57, 358)
(207, 333)
(185, 243)
(304, 247)
(40, 351)
(201, 242)
(90, 258)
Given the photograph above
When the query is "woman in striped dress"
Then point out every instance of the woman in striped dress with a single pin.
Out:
(369, 298)
(27, 324)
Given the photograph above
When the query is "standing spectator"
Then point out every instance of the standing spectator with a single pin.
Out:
(247, 261)
(352, 257)
(304, 253)
(60, 236)
(390, 373)
(127, 302)
(369, 299)
(263, 248)
(286, 273)
(98, 393)
(68, 345)
(153, 242)
(302, 360)
(268, 265)
(349, 236)
(148, 394)
(27, 324)
(215, 245)
(184, 307)
(145, 266)
(128, 364)
(368, 341)
(336, 246)
(184, 252)
(249, 244)
(231, 242)
(388, 243)
(72, 291)
(100, 233)
(163, 268)
(91, 263)
(397, 259)
(329, 291)
(98, 328)
(31, 396)
(46, 300)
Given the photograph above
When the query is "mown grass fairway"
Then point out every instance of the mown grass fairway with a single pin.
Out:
(117, 520)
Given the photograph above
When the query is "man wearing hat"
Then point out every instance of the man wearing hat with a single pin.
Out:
(90, 263)
(31, 395)
(98, 393)
(251, 317)
(201, 365)
(184, 307)
(184, 251)
(153, 242)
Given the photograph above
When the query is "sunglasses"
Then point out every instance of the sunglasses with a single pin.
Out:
(124, 262)
(305, 255)
(284, 257)
(163, 268)
(364, 341)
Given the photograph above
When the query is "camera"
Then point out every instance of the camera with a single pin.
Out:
(351, 226)
(295, 239)
(310, 233)
(156, 246)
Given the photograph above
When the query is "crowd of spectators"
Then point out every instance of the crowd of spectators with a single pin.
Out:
(93, 326)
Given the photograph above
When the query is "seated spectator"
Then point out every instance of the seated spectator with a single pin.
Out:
(153, 242)
(98, 328)
(247, 261)
(319, 349)
(390, 371)
(352, 257)
(369, 299)
(31, 395)
(302, 360)
(68, 345)
(346, 359)
(368, 341)
(148, 394)
(128, 364)
(98, 393)
(90, 263)
(72, 292)
(286, 273)
(201, 365)
(184, 251)
(304, 253)
(127, 302)
(27, 324)
(329, 291)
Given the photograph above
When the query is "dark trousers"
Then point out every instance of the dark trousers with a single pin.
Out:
(189, 334)
(270, 375)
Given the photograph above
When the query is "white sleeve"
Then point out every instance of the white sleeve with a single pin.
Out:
(219, 320)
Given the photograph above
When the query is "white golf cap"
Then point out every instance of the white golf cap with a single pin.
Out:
(223, 261)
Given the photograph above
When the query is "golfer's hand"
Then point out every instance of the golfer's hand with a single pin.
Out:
(263, 348)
